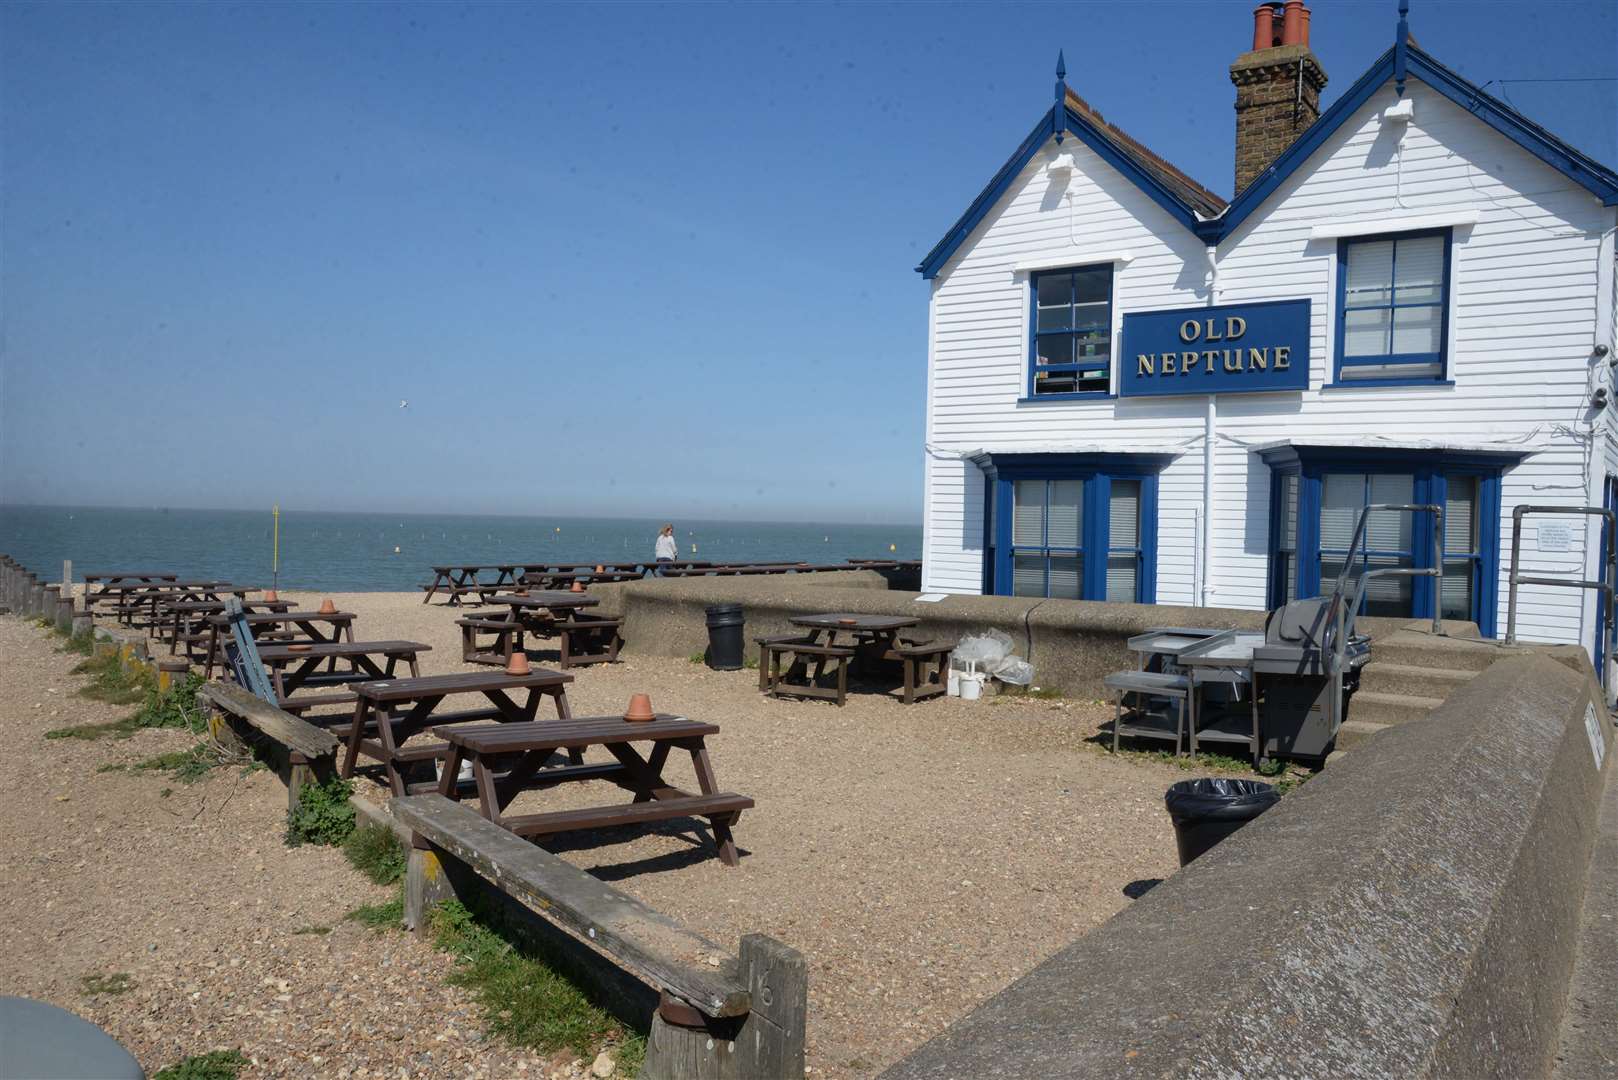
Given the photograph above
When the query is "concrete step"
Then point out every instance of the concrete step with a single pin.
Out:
(1416, 680)
(1424, 650)
(1352, 734)
(1390, 708)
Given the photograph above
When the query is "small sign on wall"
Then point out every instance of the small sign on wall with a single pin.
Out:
(1555, 536)
(1227, 349)
(1592, 728)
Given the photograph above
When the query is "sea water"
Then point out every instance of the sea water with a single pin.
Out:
(393, 552)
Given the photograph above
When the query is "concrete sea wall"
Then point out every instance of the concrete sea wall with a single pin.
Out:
(1073, 644)
(1412, 911)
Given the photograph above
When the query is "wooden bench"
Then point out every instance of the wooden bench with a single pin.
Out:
(774, 681)
(589, 639)
(455, 592)
(926, 668)
(717, 1015)
(505, 636)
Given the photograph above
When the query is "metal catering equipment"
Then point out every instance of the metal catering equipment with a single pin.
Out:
(1283, 692)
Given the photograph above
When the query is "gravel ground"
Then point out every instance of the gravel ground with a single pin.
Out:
(921, 857)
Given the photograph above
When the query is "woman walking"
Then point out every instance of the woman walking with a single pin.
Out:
(666, 548)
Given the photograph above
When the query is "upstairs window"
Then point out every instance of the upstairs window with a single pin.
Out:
(1392, 308)
(1072, 332)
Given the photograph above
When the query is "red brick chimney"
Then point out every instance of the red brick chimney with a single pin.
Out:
(1278, 86)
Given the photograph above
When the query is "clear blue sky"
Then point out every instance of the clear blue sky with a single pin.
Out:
(620, 259)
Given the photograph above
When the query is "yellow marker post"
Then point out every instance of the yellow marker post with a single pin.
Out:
(275, 548)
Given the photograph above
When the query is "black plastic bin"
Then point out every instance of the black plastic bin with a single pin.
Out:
(1206, 811)
(725, 637)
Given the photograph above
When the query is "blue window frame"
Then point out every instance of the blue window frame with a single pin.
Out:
(1393, 309)
(1070, 332)
(1071, 526)
(1315, 497)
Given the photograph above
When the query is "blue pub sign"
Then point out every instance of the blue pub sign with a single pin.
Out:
(1228, 349)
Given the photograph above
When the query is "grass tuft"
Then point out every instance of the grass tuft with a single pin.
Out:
(323, 815)
(214, 1065)
(187, 766)
(376, 852)
(118, 982)
(176, 709)
(525, 1001)
(388, 915)
(109, 682)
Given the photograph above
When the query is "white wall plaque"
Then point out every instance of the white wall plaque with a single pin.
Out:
(1555, 536)
(1592, 728)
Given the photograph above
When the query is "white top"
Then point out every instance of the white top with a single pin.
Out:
(666, 547)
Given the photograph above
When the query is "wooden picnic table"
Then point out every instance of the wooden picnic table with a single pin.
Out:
(871, 640)
(181, 618)
(137, 600)
(557, 579)
(391, 711)
(512, 758)
(545, 613)
(368, 660)
(463, 579)
(274, 623)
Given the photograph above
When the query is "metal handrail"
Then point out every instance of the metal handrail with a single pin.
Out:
(1607, 587)
(1342, 612)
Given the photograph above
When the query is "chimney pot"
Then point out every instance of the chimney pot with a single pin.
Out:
(1263, 27)
(1305, 41)
(1292, 31)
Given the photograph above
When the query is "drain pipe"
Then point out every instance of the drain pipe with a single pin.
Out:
(1210, 423)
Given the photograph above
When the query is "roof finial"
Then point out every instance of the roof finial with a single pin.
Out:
(1059, 113)
(1399, 46)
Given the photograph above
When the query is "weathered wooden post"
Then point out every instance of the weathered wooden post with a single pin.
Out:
(83, 623)
(171, 673)
(36, 597)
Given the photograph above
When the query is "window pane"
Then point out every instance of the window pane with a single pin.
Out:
(1389, 371)
(1067, 513)
(1055, 382)
(1419, 271)
(1389, 530)
(1066, 576)
(1330, 567)
(1092, 344)
(1028, 575)
(1123, 515)
(1341, 497)
(1054, 290)
(1370, 274)
(1028, 513)
(1289, 512)
(1054, 348)
(1457, 589)
(1365, 333)
(1121, 576)
(1093, 285)
(1417, 329)
(1460, 515)
(1389, 596)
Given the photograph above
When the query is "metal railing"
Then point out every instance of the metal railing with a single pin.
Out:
(1609, 571)
(1344, 608)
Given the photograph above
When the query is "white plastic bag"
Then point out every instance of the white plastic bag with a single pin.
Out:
(1014, 670)
(983, 651)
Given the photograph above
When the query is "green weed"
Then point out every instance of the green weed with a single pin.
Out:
(388, 915)
(699, 657)
(81, 644)
(323, 814)
(187, 766)
(109, 682)
(376, 852)
(118, 982)
(524, 1000)
(176, 709)
(214, 1065)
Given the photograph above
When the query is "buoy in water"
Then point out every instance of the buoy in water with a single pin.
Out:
(893, 547)
(396, 549)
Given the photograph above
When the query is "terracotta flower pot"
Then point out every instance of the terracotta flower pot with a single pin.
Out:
(327, 607)
(298, 647)
(848, 622)
(640, 709)
(518, 664)
(601, 568)
(521, 592)
(577, 586)
(270, 595)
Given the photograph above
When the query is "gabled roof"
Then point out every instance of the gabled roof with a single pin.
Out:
(1185, 199)
(1205, 214)
(1594, 177)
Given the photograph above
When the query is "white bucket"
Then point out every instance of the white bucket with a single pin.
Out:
(971, 687)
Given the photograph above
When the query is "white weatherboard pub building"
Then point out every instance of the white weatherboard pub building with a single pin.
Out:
(1139, 392)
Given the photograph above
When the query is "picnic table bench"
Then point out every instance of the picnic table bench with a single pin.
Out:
(296, 665)
(581, 638)
(872, 640)
(283, 627)
(183, 622)
(459, 581)
(387, 713)
(511, 758)
(561, 579)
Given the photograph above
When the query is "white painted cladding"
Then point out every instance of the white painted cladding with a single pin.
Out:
(1524, 285)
